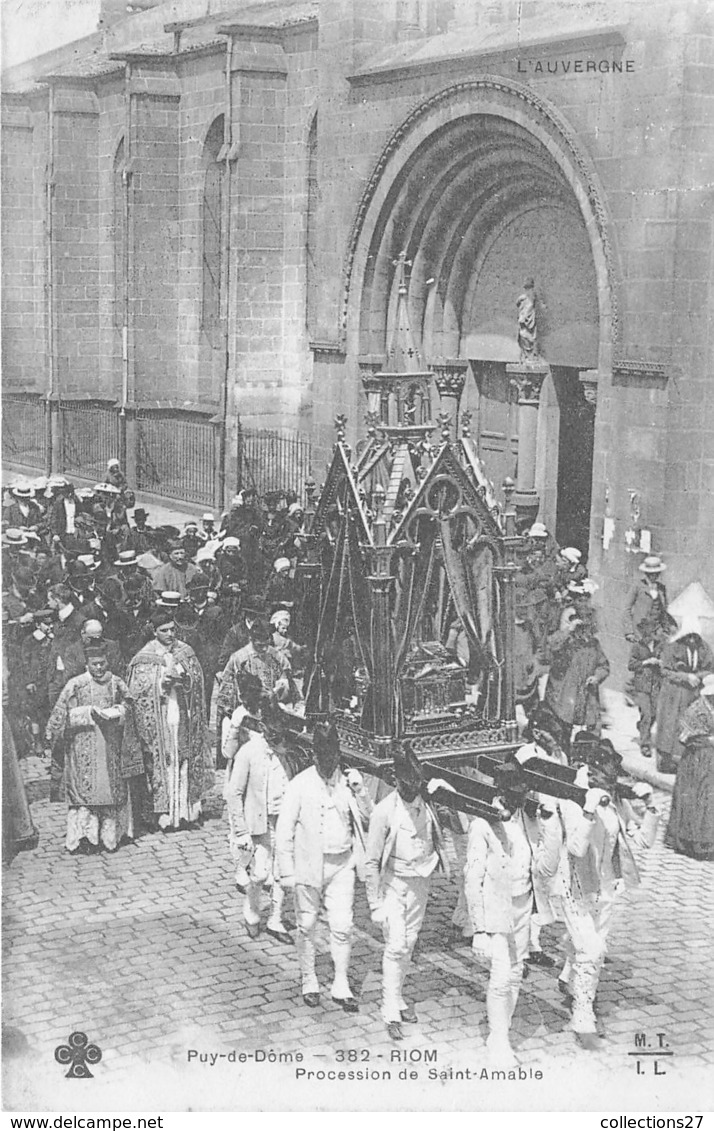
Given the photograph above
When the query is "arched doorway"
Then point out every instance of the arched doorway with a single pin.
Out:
(482, 187)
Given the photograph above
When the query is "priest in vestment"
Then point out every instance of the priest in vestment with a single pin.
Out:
(90, 717)
(166, 685)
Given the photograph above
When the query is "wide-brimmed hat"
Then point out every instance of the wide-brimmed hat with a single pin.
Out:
(106, 489)
(280, 565)
(168, 600)
(231, 543)
(690, 626)
(89, 561)
(126, 558)
(280, 613)
(208, 517)
(205, 554)
(571, 554)
(652, 564)
(538, 530)
(113, 463)
(14, 537)
(22, 491)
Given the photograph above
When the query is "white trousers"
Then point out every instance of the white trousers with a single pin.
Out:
(405, 901)
(261, 873)
(508, 953)
(337, 896)
(587, 920)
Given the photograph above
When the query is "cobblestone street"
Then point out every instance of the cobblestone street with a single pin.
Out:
(146, 952)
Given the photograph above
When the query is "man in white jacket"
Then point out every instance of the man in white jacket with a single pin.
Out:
(599, 839)
(254, 797)
(320, 844)
(404, 849)
(503, 856)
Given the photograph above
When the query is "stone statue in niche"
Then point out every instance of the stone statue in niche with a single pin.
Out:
(527, 327)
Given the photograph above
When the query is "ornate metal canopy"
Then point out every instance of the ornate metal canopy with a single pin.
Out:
(409, 575)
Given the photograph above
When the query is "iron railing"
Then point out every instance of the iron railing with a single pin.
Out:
(90, 435)
(175, 455)
(176, 452)
(24, 429)
(273, 459)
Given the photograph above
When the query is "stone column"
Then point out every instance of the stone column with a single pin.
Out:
(527, 378)
(450, 378)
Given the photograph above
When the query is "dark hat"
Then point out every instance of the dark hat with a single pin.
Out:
(77, 570)
(41, 615)
(255, 604)
(186, 616)
(509, 777)
(162, 615)
(406, 765)
(133, 584)
(260, 630)
(95, 650)
(325, 739)
(139, 512)
(198, 581)
(584, 742)
(607, 754)
(272, 498)
(110, 589)
(174, 544)
(125, 559)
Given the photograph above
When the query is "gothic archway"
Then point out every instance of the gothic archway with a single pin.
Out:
(483, 185)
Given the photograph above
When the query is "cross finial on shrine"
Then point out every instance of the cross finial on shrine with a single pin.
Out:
(341, 426)
(401, 263)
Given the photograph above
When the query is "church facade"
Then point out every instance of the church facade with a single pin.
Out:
(204, 216)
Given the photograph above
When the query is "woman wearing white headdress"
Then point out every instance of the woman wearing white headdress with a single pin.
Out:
(686, 659)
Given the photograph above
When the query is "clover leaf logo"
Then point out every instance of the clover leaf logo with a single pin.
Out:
(78, 1054)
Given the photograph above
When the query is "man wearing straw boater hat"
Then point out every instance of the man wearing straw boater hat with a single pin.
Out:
(648, 599)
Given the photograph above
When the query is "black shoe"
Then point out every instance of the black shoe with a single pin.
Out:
(590, 1041)
(253, 930)
(409, 1016)
(311, 999)
(348, 1004)
(281, 936)
(539, 958)
(395, 1030)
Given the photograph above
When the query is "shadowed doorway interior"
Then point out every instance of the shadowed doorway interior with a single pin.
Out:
(575, 460)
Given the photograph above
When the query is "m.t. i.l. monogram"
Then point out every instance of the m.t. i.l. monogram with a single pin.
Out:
(78, 1054)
